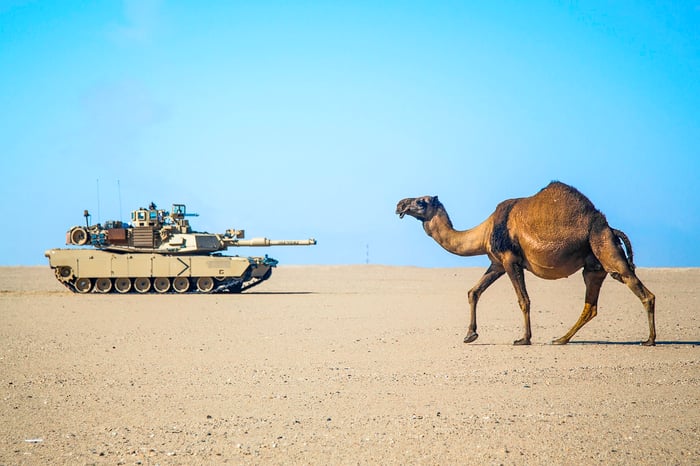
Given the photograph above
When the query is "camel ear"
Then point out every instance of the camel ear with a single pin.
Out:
(435, 200)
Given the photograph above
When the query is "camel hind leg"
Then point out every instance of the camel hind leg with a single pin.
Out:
(648, 300)
(593, 277)
(607, 249)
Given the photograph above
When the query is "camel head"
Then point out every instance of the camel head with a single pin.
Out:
(423, 208)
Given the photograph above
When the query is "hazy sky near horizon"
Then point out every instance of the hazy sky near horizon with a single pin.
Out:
(298, 119)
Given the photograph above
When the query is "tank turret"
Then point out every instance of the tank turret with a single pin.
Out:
(160, 232)
(159, 251)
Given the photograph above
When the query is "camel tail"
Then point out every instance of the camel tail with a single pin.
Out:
(626, 241)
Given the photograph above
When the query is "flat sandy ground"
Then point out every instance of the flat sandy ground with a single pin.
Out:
(347, 365)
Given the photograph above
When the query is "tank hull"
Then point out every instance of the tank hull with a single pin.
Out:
(90, 270)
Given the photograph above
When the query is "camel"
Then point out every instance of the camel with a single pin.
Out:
(551, 234)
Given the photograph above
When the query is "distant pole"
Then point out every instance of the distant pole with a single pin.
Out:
(367, 254)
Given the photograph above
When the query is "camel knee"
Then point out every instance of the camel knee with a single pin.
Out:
(473, 296)
(524, 303)
(649, 301)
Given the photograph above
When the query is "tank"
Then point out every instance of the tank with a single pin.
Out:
(159, 252)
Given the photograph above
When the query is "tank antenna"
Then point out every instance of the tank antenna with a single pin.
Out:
(119, 194)
(98, 201)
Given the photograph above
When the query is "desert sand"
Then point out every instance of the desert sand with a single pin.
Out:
(348, 365)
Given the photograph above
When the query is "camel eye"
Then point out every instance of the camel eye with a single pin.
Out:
(421, 203)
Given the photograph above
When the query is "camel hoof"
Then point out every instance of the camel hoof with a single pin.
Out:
(522, 342)
(559, 341)
(649, 343)
(471, 337)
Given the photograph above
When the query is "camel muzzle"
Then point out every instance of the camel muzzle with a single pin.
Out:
(402, 207)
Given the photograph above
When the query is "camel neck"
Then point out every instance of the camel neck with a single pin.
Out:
(461, 242)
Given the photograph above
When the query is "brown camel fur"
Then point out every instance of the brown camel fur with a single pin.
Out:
(552, 234)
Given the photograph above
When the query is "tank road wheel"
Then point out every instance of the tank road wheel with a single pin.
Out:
(161, 284)
(142, 284)
(103, 285)
(181, 284)
(122, 285)
(83, 285)
(205, 284)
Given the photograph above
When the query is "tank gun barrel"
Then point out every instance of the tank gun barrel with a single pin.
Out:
(263, 242)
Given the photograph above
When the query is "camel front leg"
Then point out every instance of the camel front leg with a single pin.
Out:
(492, 274)
(594, 281)
(517, 277)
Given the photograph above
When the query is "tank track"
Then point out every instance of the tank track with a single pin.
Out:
(231, 286)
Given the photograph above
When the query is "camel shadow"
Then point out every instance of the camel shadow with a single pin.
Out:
(633, 343)
(600, 342)
(281, 293)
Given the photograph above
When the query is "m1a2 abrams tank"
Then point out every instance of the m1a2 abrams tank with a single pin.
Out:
(159, 252)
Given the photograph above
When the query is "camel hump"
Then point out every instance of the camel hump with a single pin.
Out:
(555, 223)
(561, 204)
(556, 191)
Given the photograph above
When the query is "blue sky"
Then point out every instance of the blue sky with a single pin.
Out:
(299, 119)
